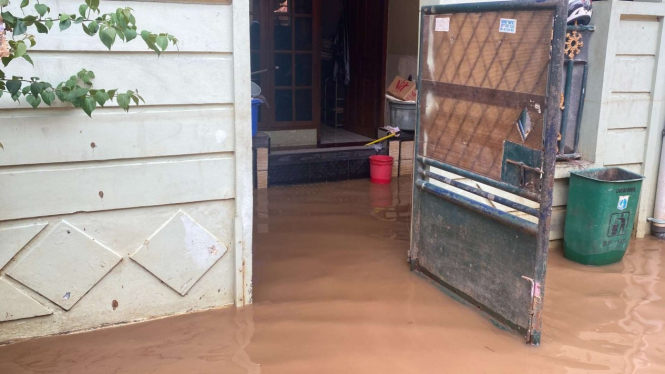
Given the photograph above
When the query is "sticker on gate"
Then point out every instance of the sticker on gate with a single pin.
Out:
(442, 24)
(623, 202)
(508, 25)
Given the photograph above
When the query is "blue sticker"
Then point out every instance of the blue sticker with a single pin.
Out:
(508, 25)
(623, 202)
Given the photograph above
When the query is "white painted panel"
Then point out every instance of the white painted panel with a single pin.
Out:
(136, 294)
(69, 135)
(208, 26)
(560, 192)
(629, 110)
(13, 239)
(633, 73)
(625, 146)
(557, 223)
(95, 186)
(638, 36)
(171, 79)
(17, 305)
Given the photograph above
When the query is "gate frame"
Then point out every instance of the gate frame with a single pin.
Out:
(551, 121)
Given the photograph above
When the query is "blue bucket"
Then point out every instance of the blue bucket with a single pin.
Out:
(256, 104)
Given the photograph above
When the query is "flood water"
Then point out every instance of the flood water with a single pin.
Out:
(333, 294)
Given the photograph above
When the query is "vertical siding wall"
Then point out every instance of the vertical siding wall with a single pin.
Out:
(125, 217)
(623, 116)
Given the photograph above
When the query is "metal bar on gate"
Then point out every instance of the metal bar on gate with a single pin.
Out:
(481, 193)
(479, 178)
(566, 105)
(580, 109)
(497, 6)
(493, 213)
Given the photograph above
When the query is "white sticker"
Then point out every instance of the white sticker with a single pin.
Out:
(508, 25)
(442, 24)
(623, 202)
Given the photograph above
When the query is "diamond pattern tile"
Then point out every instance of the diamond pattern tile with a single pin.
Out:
(17, 305)
(180, 252)
(13, 239)
(65, 265)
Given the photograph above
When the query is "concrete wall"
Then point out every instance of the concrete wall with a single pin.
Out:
(126, 217)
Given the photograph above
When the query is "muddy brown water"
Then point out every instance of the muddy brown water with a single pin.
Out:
(333, 294)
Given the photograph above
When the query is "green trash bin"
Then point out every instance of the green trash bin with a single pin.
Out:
(600, 214)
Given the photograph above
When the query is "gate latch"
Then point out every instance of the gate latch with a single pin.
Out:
(523, 167)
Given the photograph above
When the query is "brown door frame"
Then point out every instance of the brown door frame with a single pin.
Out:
(268, 51)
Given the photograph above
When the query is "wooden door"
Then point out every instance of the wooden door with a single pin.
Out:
(290, 40)
(365, 100)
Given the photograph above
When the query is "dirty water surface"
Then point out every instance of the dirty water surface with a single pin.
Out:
(333, 294)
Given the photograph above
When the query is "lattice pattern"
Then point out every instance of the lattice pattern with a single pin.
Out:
(509, 73)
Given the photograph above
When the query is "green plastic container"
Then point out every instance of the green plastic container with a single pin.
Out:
(600, 214)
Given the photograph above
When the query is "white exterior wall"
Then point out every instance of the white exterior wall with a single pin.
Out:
(125, 217)
(623, 113)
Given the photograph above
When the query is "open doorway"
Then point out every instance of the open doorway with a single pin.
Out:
(321, 67)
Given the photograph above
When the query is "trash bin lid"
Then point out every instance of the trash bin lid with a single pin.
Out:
(615, 175)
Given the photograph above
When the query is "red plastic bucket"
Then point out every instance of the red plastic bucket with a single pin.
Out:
(380, 169)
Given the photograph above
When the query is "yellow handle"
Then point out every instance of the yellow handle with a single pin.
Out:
(380, 140)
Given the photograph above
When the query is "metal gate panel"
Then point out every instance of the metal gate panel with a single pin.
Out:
(489, 84)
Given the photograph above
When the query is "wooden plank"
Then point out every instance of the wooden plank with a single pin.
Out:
(406, 167)
(168, 80)
(208, 27)
(262, 159)
(262, 179)
(629, 110)
(633, 73)
(393, 150)
(406, 150)
(69, 135)
(45, 191)
(625, 146)
(638, 35)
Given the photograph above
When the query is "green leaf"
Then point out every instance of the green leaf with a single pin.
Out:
(64, 25)
(123, 101)
(111, 94)
(8, 17)
(34, 101)
(29, 20)
(86, 29)
(49, 23)
(101, 97)
(25, 90)
(89, 104)
(130, 35)
(27, 58)
(25, 3)
(82, 9)
(93, 27)
(94, 4)
(20, 28)
(47, 97)
(35, 88)
(7, 60)
(107, 36)
(21, 49)
(13, 86)
(42, 9)
(41, 28)
(162, 42)
(4, 2)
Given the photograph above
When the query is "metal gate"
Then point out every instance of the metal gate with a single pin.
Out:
(489, 105)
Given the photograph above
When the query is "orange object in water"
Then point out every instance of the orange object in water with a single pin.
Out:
(380, 169)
